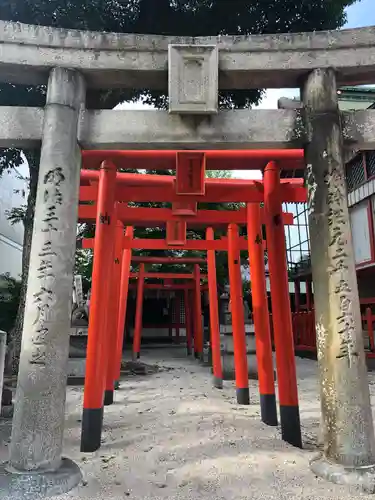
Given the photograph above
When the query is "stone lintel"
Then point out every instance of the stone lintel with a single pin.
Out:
(237, 129)
(115, 60)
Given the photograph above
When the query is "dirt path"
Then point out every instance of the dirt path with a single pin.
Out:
(170, 435)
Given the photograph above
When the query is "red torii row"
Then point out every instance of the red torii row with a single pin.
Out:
(106, 284)
(159, 216)
(141, 188)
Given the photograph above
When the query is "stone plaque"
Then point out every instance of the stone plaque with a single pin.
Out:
(193, 79)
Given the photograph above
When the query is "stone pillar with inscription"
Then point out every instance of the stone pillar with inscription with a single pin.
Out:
(36, 463)
(348, 433)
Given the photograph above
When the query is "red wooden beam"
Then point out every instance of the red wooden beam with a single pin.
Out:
(168, 260)
(215, 160)
(164, 276)
(155, 217)
(252, 192)
(163, 286)
(156, 244)
(149, 180)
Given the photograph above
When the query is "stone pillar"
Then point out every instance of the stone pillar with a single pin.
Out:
(348, 434)
(38, 422)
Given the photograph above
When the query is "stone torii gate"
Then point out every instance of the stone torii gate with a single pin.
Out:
(193, 69)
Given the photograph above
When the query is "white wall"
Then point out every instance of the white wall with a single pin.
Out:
(13, 193)
(360, 232)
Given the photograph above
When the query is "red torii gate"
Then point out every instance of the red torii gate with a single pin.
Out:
(188, 188)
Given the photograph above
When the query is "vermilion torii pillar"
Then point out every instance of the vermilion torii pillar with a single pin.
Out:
(123, 302)
(261, 316)
(238, 320)
(214, 315)
(197, 314)
(188, 318)
(113, 313)
(96, 358)
(138, 313)
(107, 305)
(281, 313)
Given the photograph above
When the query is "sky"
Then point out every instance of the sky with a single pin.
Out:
(359, 15)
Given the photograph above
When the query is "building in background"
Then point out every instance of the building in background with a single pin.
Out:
(360, 177)
(13, 194)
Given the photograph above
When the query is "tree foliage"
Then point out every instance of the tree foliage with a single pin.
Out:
(164, 17)
(179, 18)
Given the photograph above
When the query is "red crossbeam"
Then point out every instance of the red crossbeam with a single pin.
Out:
(171, 287)
(168, 260)
(147, 180)
(215, 160)
(165, 276)
(251, 193)
(156, 244)
(156, 217)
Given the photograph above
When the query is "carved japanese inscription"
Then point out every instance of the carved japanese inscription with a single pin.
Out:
(43, 298)
(339, 230)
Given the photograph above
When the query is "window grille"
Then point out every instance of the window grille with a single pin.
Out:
(355, 173)
(370, 164)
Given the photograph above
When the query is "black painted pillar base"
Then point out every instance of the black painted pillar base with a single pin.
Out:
(268, 410)
(290, 425)
(243, 396)
(108, 397)
(196, 355)
(210, 356)
(217, 382)
(136, 355)
(91, 433)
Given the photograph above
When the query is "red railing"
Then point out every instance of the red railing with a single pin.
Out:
(303, 324)
(368, 318)
(304, 331)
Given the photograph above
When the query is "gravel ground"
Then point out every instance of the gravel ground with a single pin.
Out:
(170, 435)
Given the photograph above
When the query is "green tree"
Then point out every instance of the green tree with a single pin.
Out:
(167, 17)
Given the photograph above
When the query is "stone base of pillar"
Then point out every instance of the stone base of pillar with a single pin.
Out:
(34, 485)
(362, 478)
